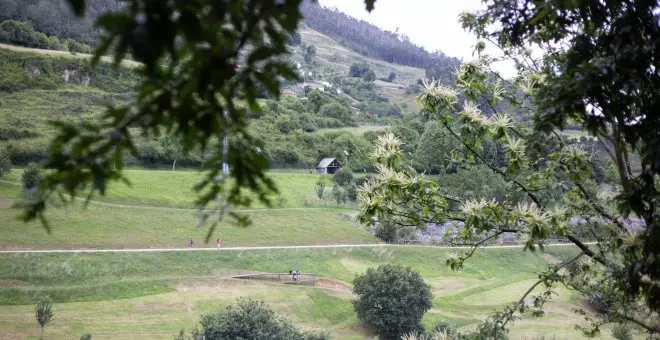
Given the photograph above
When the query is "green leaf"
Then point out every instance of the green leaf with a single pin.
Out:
(370, 4)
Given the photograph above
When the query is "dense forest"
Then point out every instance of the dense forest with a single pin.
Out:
(371, 40)
(55, 18)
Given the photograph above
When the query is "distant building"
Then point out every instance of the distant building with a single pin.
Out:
(328, 166)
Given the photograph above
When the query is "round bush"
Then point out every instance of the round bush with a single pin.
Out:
(392, 299)
(248, 319)
(343, 177)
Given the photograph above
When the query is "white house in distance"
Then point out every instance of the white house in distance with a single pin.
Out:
(328, 166)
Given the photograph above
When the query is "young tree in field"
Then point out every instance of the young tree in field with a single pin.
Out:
(43, 313)
(337, 193)
(602, 77)
(319, 187)
(172, 148)
(392, 299)
(5, 162)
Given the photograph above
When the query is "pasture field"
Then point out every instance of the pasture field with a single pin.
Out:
(157, 211)
(154, 295)
(174, 189)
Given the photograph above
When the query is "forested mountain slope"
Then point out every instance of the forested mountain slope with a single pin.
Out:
(371, 40)
(54, 18)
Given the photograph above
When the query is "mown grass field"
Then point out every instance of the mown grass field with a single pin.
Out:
(158, 211)
(166, 188)
(154, 295)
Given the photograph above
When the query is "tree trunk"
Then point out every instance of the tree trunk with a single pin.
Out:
(174, 164)
(42, 333)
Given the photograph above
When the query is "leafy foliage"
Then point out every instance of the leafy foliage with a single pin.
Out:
(248, 319)
(434, 149)
(621, 332)
(537, 161)
(603, 77)
(391, 298)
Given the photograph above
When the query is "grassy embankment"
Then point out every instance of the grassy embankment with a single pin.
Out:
(158, 211)
(156, 294)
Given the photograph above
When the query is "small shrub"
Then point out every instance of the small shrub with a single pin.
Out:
(386, 232)
(248, 319)
(343, 177)
(5, 162)
(281, 202)
(319, 187)
(392, 298)
(352, 192)
(31, 177)
(337, 193)
(86, 336)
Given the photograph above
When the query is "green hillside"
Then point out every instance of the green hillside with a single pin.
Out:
(335, 59)
(157, 294)
(158, 211)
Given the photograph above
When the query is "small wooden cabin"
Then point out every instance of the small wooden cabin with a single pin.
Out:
(328, 166)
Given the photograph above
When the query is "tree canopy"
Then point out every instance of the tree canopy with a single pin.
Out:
(598, 70)
(392, 298)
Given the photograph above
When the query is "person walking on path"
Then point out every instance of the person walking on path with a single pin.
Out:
(190, 243)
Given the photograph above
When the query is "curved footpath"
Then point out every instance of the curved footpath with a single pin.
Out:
(329, 246)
